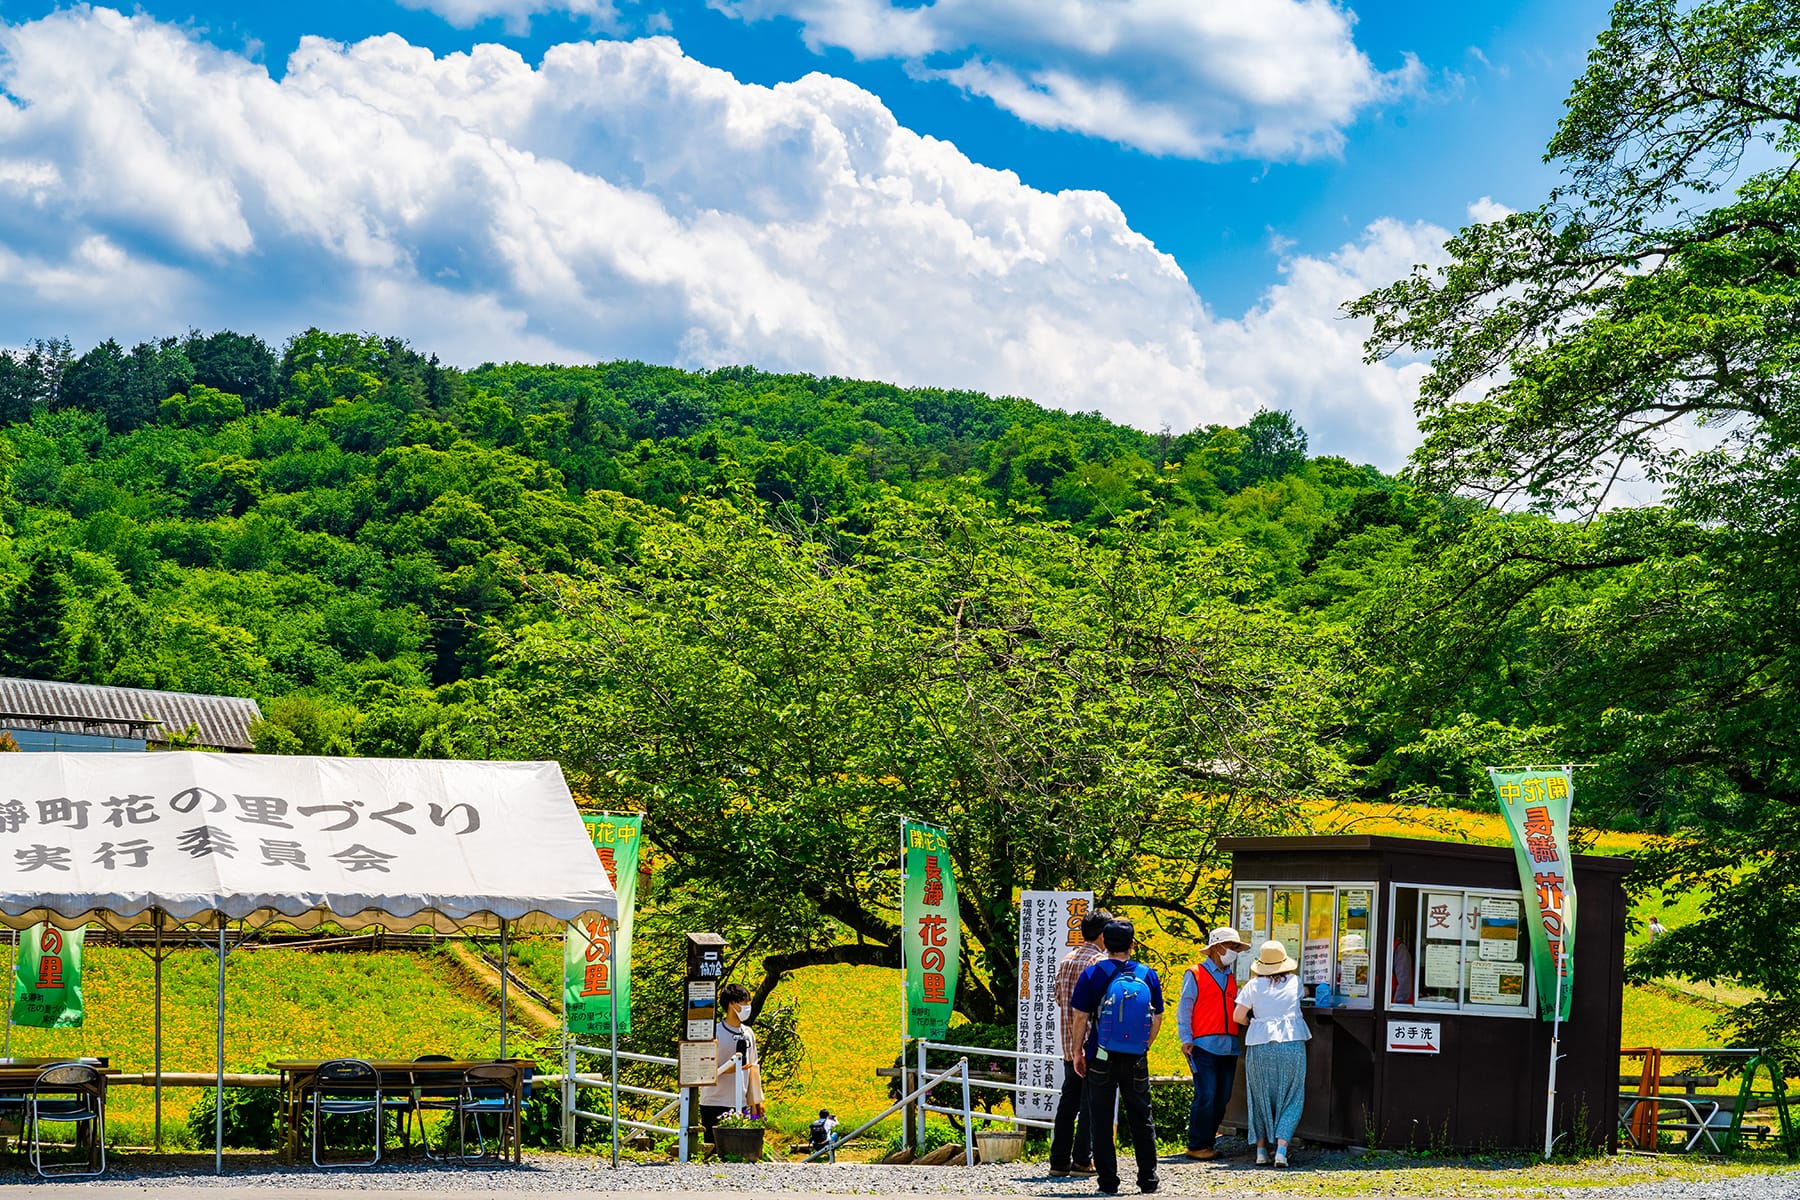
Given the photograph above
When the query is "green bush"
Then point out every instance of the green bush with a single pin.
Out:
(252, 1118)
(1169, 1107)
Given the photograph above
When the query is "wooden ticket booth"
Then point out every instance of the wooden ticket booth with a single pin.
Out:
(1435, 1040)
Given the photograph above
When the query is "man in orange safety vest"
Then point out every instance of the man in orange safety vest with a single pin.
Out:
(1209, 1037)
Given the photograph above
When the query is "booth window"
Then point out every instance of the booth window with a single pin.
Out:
(1326, 927)
(1460, 950)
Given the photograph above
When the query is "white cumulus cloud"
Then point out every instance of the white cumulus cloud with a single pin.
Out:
(1267, 79)
(619, 199)
(517, 14)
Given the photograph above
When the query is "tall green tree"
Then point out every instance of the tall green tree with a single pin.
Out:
(1075, 711)
(1640, 324)
(19, 387)
(32, 641)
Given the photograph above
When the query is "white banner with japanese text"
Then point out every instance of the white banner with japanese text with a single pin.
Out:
(1049, 928)
(354, 841)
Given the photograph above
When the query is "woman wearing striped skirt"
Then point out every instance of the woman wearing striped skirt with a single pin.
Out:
(1275, 1035)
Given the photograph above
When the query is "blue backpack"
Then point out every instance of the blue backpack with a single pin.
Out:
(1124, 1026)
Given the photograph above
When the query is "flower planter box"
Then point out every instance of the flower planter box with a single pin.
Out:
(744, 1144)
(1000, 1145)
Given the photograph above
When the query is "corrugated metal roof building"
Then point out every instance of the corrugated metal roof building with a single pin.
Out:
(44, 715)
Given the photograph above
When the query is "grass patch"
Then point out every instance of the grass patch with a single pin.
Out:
(849, 1019)
(1479, 826)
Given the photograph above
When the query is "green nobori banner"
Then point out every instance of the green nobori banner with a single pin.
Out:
(589, 987)
(1536, 804)
(47, 978)
(930, 929)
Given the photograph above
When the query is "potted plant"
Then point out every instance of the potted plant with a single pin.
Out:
(1000, 1145)
(739, 1137)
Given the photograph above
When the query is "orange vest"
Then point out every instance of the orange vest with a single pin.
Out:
(1207, 1019)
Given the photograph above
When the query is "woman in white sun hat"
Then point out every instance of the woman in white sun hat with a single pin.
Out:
(1275, 1036)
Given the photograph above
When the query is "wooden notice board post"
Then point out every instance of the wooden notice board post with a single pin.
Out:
(698, 1056)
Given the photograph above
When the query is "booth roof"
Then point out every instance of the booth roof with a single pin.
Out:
(128, 840)
(1386, 844)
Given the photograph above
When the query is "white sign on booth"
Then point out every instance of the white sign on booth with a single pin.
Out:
(1414, 1037)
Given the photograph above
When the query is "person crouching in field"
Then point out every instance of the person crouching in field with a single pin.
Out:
(1275, 1039)
(1209, 1037)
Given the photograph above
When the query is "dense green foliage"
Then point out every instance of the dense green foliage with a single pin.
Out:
(343, 530)
(1571, 346)
(1074, 708)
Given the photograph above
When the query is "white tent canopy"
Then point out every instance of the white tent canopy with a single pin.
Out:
(127, 840)
(175, 839)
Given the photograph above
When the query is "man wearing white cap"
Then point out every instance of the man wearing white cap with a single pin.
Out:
(1209, 1037)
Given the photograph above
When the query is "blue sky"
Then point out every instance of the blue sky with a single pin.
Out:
(179, 165)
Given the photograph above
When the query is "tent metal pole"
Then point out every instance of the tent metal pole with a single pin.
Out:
(612, 984)
(12, 976)
(568, 1055)
(219, 1085)
(503, 987)
(157, 961)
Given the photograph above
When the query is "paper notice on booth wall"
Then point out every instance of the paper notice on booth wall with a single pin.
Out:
(1353, 974)
(1315, 962)
(1443, 966)
(1497, 983)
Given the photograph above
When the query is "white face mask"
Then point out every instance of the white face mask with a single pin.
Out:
(1229, 957)
(743, 1013)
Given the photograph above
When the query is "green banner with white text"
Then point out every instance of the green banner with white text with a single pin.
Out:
(1536, 805)
(47, 978)
(589, 985)
(930, 929)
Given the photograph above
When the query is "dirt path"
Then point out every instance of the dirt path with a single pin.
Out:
(479, 976)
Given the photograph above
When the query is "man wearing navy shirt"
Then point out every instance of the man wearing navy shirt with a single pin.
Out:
(1108, 1074)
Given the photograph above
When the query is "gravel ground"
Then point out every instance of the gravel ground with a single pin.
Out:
(1316, 1173)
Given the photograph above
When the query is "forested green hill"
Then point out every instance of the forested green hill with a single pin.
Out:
(340, 529)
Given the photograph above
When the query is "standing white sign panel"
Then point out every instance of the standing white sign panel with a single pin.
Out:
(1049, 927)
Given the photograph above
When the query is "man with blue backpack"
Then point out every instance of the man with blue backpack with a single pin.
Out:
(1118, 1006)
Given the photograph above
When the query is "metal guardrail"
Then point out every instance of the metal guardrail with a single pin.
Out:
(574, 1079)
(1014, 1088)
(961, 1069)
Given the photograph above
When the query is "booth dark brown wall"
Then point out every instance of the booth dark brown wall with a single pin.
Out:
(1488, 1086)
